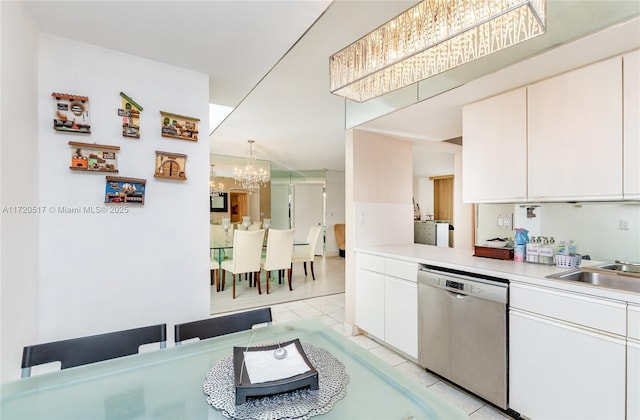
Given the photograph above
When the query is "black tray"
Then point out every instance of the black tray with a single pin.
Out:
(245, 389)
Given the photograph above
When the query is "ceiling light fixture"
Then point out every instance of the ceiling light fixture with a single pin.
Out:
(215, 187)
(430, 38)
(251, 177)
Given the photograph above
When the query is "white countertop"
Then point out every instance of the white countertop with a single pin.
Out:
(519, 272)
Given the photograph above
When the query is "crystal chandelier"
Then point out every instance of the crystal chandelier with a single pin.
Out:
(250, 177)
(215, 187)
(429, 38)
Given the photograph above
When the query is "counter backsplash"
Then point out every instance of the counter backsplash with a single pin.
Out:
(605, 231)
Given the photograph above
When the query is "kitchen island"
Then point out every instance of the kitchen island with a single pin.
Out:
(573, 348)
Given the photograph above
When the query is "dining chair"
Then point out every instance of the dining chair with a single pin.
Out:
(214, 268)
(306, 253)
(247, 251)
(255, 226)
(221, 325)
(279, 253)
(95, 348)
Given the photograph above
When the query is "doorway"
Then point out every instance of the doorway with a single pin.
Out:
(308, 210)
(238, 206)
(443, 197)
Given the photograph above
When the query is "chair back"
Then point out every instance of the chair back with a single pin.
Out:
(213, 327)
(91, 349)
(218, 235)
(339, 230)
(279, 249)
(255, 226)
(247, 250)
(312, 240)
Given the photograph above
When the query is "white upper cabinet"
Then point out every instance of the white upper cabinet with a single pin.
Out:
(494, 160)
(575, 143)
(631, 82)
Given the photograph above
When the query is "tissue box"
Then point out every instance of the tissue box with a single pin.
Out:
(245, 389)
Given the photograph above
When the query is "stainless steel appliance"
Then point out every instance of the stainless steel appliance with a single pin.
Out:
(463, 330)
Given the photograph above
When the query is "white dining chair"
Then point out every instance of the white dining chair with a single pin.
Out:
(214, 267)
(306, 253)
(247, 252)
(218, 235)
(255, 226)
(279, 253)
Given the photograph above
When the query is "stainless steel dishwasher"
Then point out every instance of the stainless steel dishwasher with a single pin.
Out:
(463, 330)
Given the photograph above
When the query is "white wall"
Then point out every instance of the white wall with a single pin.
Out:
(19, 174)
(334, 208)
(379, 211)
(101, 272)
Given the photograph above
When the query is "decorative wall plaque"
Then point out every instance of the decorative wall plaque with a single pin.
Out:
(71, 113)
(179, 127)
(130, 114)
(125, 190)
(94, 157)
(170, 165)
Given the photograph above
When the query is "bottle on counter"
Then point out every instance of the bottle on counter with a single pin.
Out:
(521, 238)
(546, 251)
(571, 247)
(562, 248)
(531, 250)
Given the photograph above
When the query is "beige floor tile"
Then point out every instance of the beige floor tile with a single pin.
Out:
(417, 373)
(284, 316)
(364, 341)
(327, 320)
(388, 356)
(460, 399)
(488, 412)
(307, 312)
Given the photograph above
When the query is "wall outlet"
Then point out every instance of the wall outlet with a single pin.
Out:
(624, 224)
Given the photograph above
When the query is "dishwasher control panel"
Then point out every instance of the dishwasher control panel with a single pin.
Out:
(464, 284)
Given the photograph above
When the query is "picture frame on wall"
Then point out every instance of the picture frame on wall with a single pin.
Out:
(219, 202)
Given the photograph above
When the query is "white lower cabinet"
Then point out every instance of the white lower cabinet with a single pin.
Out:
(370, 302)
(562, 371)
(633, 362)
(387, 301)
(401, 315)
(633, 379)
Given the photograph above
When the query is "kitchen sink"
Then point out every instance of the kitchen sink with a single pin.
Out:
(611, 280)
(620, 267)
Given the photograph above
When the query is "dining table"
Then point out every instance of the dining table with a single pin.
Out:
(170, 383)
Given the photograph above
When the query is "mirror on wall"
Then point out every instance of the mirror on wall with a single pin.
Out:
(617, 226)
(233, 201)
(275, 200)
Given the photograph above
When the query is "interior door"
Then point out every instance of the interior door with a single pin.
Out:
(308, 210)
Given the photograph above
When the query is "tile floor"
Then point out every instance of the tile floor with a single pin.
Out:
(324, 299)
(329, 280)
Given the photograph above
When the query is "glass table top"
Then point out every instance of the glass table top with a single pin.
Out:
(168, 383)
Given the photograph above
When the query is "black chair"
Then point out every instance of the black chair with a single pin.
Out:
(91, 349)
(213, 327)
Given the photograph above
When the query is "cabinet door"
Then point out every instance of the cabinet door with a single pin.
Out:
(370, 302)
(401, 315)
(631, 81)
(494, 150)
(575, 134)
(633, 379)
(559, 371)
